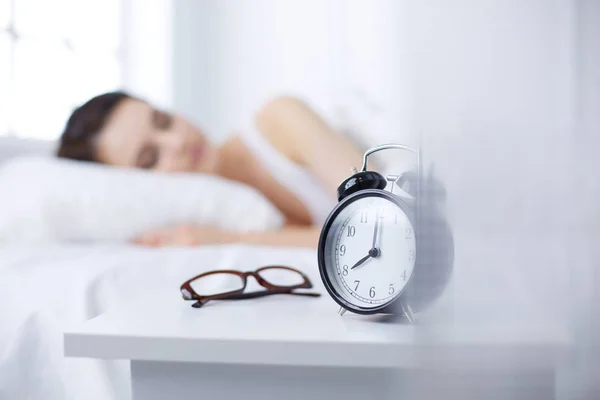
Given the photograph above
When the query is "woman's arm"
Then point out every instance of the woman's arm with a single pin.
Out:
(193, 235)
(304, 137)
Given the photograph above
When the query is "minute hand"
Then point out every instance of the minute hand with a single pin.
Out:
(375, 232)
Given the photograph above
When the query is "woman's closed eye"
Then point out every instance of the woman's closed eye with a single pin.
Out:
(161, 120)
(148, 157)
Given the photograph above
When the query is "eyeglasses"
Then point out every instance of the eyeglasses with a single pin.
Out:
(231, 284)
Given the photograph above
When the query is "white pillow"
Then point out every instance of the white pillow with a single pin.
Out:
(11, 147)
(47, 199)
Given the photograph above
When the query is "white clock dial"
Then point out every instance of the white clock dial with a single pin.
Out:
(371, 251)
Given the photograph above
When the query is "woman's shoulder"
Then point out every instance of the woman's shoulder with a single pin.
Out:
(277, 122)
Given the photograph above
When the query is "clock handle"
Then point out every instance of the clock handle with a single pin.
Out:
(389, 146)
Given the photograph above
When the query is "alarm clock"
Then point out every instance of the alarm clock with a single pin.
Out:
(382, 251)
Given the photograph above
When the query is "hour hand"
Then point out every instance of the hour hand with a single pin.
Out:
(362, 260)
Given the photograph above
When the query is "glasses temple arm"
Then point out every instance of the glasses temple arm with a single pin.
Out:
(253, 295)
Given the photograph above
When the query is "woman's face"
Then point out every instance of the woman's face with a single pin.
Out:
(138, 135)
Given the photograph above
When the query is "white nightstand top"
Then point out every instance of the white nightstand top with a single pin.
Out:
(290, 330)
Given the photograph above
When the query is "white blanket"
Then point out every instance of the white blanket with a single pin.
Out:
(45, 289)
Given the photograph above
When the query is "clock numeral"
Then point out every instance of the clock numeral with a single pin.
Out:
(345, 270)
(363, 217)
(372, 292)
(357, 283)
(342, 250)
(404, 276)
(392, 290)
(351, 231)
(408, 233)
(411, 254)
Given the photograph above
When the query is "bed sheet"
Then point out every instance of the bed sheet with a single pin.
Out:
(45, 289)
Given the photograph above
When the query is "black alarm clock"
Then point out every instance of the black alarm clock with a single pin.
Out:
(382, 251)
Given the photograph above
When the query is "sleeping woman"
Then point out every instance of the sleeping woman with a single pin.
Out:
(292, 157)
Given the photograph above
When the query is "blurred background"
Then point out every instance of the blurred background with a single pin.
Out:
(391, 68)
(215, 61)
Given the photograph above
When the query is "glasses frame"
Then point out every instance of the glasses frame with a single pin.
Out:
(189, 293)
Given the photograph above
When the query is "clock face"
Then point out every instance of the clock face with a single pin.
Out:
(369, 251)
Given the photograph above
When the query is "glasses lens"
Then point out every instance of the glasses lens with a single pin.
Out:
(213, 284)
(281, 277)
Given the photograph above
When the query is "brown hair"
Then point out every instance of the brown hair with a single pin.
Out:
(77, 141)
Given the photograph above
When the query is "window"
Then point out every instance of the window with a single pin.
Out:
(54, 55)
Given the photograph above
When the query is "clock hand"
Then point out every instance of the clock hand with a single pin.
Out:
(379, 235)
(375, 232)
(362, 260)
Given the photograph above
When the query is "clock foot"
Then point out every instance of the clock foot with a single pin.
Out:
(408, 313)
(342, 311)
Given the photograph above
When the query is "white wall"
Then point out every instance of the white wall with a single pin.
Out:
(232, 56)
(148, 49)
(398, 68)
